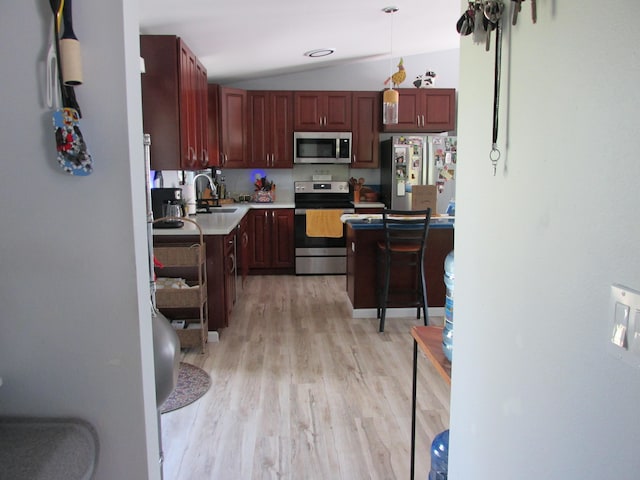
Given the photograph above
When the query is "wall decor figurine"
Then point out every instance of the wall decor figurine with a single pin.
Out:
(425, 81)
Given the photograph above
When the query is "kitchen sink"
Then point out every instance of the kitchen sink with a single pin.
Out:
(223, 210)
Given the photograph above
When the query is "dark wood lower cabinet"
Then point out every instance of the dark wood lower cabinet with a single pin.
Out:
(362, 266)
(271, 237)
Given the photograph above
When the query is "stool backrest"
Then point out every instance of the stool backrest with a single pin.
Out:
(406, 227)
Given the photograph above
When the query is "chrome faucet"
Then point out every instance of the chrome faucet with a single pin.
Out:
(214, 190)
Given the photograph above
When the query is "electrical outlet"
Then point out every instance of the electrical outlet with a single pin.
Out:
(624, 327)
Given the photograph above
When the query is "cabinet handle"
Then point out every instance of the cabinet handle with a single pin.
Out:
(273, 159)
(354, 158)
(205, 158)
(418, 120)
(423, 120)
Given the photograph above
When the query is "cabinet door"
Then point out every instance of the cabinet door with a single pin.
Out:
(160, 100)
(258, 131)
(188, 117)
(409, 112)
(243, 248)
(233, 125)
(322, 110)
(338, 111)
(259, 239)
(308, 111)
(213, 123)
(439, 110)
(280, 115)
(366, 125)
(283, 251)
(270, 118)
(429, 110)
(230, 267)
(202, 117)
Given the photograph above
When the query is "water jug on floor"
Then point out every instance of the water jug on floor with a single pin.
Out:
(447, 334)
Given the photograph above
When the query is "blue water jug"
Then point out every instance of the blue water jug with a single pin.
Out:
(447, 333)
(440, 456)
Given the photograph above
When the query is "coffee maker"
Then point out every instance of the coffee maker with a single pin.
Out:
(161, 197)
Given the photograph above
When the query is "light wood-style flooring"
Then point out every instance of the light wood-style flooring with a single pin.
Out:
(300, 390)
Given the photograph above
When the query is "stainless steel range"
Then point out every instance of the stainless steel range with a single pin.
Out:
(320, 255)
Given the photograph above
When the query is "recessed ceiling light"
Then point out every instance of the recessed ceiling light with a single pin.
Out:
(319, 52)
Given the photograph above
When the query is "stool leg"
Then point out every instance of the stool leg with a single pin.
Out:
(385, 293)
(423, 292)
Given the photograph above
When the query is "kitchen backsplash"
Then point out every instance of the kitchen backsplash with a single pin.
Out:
(240, 181)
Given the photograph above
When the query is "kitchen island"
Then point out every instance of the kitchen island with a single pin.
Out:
(363, 234)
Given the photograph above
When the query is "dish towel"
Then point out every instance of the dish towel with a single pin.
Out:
(324, 223)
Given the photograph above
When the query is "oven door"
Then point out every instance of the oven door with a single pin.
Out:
(318, 255)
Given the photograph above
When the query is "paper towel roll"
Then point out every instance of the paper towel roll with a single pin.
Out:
(189, 198)
(71, 61)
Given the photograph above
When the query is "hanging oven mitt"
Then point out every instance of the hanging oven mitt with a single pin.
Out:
(72, 154)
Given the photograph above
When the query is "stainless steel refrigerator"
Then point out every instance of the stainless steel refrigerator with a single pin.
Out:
(407, 160)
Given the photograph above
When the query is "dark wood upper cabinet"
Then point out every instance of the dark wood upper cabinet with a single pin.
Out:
(171, 103)
(322, 111)
(425, 110)
(270, 131)
(233, 127)
(366, 125)
(213, 124)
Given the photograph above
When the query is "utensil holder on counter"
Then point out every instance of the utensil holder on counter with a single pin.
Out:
(263, 196)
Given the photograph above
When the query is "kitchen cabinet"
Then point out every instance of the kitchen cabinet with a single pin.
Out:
(425, 110)
(230, 273)
(202, 117)
(171, 103)
(233, 128)
(365, 149)
(213, 124)
(362, 264)
(270, 118)
(271, 240)
(243, 250)
(322, 111)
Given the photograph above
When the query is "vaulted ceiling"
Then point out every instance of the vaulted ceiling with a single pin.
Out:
(247, 39)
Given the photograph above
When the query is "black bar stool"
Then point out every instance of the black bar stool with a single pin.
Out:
(403, 249)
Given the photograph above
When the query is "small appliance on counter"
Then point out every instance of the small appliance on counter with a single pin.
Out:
(163, 201)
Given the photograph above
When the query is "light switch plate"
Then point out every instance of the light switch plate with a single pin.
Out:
(623, 341)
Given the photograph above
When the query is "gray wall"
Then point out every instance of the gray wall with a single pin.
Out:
(74, 294)
(535, 395)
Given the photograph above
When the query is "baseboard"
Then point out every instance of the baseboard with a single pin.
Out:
(213, 337)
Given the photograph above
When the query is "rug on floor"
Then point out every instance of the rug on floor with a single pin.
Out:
(193, 382)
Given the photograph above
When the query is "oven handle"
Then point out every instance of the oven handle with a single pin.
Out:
(303, 211)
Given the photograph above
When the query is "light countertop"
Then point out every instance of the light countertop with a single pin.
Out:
(373, 221)
(220, 221)
(360, 205)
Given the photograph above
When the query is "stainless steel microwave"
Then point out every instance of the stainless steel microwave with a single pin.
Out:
(322, 147)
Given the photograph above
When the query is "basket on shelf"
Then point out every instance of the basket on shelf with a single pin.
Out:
(180, 293)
